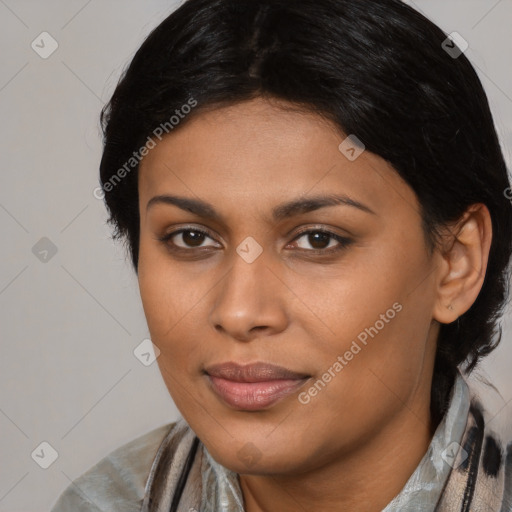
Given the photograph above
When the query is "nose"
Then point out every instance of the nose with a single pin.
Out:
(250, 301)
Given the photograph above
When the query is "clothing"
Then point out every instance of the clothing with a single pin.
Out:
(142, 475)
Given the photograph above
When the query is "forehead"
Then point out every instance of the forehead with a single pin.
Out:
(258, 152)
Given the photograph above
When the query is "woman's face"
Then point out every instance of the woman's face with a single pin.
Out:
(254, 281)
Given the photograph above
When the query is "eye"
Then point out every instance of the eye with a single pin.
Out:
(322, 241)
(186, 238)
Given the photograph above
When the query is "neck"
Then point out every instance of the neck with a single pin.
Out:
(366, 479)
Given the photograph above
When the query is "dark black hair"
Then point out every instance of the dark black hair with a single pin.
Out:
(377, 69)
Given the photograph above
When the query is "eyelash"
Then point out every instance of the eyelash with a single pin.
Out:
(343, 241)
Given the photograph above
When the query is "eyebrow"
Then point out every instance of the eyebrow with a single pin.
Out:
(280, 212)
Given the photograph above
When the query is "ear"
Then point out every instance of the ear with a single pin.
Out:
(463, 263)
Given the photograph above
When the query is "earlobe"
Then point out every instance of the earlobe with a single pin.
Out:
(464, 263)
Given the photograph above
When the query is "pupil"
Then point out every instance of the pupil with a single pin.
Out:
(319, 237)
(195, 239)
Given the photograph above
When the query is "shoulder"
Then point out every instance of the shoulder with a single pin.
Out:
(117, 482)
(480, 478)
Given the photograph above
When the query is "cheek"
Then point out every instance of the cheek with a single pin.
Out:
(165, 296)
(357, 299)
(157, 298)
(173, 302)
(375, 315)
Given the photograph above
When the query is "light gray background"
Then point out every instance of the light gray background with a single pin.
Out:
(69, 325)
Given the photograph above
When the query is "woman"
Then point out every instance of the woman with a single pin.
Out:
(315, 203)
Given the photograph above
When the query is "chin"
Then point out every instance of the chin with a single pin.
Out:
(256, 457)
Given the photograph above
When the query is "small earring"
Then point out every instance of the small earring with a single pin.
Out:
(450, 307)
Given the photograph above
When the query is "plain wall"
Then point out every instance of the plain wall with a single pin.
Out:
(69, 325)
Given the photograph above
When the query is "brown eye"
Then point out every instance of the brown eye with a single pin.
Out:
(322, 241)
(186, 239)
(319, 240)
(192, 238)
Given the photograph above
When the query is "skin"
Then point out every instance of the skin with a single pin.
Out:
(356, 443)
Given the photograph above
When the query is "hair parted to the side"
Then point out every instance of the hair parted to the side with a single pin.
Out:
(376, 69)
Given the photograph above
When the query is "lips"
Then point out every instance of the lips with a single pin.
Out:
(254, 386)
